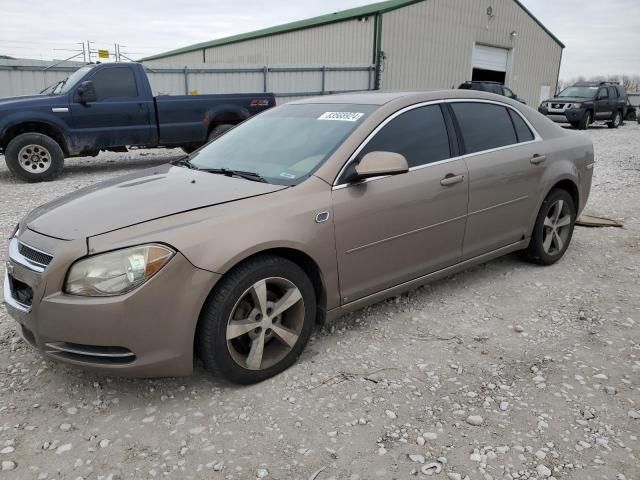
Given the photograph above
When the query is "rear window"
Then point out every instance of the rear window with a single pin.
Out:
(484, 126)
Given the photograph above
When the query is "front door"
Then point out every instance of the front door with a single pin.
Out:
(505, 163)
(394, 229)
(603, 108)
(119, 116)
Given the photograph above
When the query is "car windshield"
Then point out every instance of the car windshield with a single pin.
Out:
(283, 145)
(68, 83)
(580, 92)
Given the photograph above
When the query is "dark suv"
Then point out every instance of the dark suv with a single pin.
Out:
(491, 87)
(585, 102)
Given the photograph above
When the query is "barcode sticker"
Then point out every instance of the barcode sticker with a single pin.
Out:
(341, 116)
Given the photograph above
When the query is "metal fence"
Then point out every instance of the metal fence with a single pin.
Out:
(286, 82)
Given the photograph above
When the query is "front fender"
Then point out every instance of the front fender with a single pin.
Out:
(15, 119)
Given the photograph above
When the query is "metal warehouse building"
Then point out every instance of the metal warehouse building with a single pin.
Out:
(413, 44)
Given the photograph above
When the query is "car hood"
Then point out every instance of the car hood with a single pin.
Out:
(139, 197)
(10, 103)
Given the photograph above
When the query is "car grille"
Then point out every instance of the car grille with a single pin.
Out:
(35, 256)
(559, 106)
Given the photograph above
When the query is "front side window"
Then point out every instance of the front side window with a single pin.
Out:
(286, 144)
(115, 83)
(484, 126)
(602, 94)
(419, 134)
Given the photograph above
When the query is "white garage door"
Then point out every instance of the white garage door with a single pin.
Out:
(490, 58)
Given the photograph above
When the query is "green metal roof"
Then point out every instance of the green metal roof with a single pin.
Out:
(358, 12)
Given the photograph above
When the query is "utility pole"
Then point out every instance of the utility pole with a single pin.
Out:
(89, 51)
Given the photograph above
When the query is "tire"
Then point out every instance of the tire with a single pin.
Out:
(575, 124)
(34, 157)
(189, 148)
(233, 306)
(541, 250)
(585, 121)
(616, 121)
(219, 130)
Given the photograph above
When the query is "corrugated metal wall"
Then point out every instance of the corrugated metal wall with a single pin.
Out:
(26, 77)
(348, 42)
(430, 45)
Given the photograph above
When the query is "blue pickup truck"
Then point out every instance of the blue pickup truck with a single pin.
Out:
(111, 107)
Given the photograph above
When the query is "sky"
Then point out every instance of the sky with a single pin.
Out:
(601, 38)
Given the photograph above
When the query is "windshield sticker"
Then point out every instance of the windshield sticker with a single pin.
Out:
(341, 116)
(287, 175)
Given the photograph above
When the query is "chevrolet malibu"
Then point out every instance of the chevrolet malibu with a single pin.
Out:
(298, 215)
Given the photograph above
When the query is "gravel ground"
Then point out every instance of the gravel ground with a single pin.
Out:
(507, 370)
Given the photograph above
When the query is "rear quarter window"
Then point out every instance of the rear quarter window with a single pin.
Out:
(484, 126)
(523, 132)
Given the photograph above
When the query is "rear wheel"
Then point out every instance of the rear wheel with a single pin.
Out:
(34, 157)
(616, 121)
(553, 229)
(219, 130)
(583, 124)
(257, 320)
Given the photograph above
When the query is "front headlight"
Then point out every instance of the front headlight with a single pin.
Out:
(116, 272)
(544, 105)
(574, 105)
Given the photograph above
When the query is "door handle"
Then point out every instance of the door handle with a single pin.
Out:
(537, 159)
(451, 179)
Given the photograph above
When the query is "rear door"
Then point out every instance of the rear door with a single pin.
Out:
(506, 162)
(121, 114)
(603, 108)
(393, 229)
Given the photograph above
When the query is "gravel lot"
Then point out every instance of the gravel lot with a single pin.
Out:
(507, 370)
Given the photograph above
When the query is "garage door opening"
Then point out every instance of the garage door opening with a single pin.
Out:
(490, 64)
(482, 75)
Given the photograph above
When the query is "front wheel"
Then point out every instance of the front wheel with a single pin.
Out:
(34, 157)
(617, 120)
(257, 320)
(553, 229)
(585, 121)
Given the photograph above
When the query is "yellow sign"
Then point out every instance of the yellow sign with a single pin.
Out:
(103, 53)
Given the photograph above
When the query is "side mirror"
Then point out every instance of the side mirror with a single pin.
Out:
(375, 164)
(86, 92)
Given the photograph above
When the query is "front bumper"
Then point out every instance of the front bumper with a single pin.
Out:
(573, 115)
(148, 332)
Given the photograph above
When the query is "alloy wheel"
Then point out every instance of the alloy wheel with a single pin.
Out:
(34, 158)
(557, 227)
(265, 323)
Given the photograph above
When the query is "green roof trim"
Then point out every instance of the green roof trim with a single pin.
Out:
(341, 16)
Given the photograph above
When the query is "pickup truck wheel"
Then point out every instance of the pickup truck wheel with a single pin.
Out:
(34, 157)
(585, 121)
(219, 130)
(257, 320)
(617, 120)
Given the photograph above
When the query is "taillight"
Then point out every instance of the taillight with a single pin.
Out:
(259, 102)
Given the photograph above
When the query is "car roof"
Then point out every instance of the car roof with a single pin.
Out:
(384, 97)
